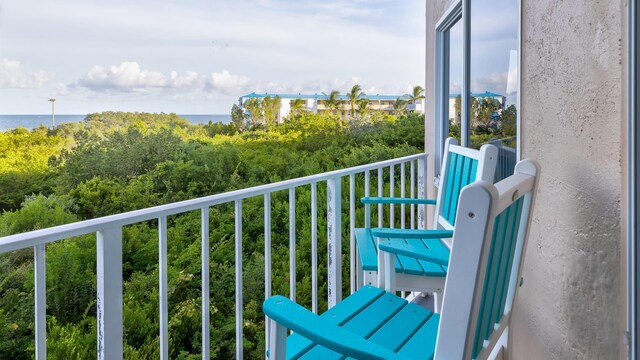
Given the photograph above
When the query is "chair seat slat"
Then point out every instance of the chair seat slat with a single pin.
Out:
(365, 323)
(345, 310)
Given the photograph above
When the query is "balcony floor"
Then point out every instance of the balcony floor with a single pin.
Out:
(424, 300)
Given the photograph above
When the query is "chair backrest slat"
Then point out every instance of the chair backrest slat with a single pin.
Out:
(485, 263)
(460, 168)
(502, 243)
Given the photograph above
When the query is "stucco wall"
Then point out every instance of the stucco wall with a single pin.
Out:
(568, 307)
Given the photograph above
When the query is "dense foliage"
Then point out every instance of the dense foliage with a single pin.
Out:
(116, 162)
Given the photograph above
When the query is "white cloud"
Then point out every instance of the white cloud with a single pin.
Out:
(189, 80)
(124, 77)
(227, 83)
(12, 75)
(130, 77)
(494, 82)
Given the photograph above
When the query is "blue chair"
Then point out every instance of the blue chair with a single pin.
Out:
(489, 243)
(460, 167)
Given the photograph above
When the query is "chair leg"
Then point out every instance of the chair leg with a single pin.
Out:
(277, 342)
(381, 267)
(389, 272)
(360, 280)
(437, 302)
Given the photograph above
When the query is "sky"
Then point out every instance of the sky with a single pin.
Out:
(198, 57)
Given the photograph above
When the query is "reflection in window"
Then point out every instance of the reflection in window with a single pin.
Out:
(494, 78)
(455, 80)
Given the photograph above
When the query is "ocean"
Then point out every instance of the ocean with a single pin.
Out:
(8, 122)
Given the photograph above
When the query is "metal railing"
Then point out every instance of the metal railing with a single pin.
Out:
(507, 157)
(108, 232)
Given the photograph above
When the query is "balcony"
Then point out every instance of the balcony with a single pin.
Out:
(332, 199)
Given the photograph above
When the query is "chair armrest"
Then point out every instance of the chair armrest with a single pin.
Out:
(410, 249)
(302, 321)
(411, 233)
(396, 200)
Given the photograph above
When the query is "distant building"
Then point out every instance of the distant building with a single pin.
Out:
(314, 102)
(455, 117)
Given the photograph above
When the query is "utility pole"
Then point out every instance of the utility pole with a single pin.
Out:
(53, 113)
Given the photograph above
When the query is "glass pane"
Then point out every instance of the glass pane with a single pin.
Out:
(494, 78)
(455, 79)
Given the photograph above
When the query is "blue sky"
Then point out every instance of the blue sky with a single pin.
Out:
(199, 56)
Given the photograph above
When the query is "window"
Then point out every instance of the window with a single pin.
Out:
(448, 77)
(477, 60)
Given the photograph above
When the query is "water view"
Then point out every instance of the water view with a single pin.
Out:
(8, 122)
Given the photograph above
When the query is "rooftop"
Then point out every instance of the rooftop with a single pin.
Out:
(323, 96)
(484, 94)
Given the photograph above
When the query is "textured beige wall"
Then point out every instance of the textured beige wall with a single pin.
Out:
(569, 305)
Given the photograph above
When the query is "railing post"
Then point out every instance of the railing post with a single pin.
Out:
(314, 247)
(413, 194)
(109, 293)
(402, 194)
(367, 192)
(267, 262)
(352, 235)
(422, 175)
(40, 301)
(204, 219)
(334, 245)
(380, 194)
(163, 285)
(292, 244)
(238, 256)
(392, 185)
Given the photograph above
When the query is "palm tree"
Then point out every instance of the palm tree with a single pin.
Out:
(297, 106)
(255, 109)
(353, 96)
(363, 105)
(332, 102)
(271, 106)
(417, 95)
(400, 106)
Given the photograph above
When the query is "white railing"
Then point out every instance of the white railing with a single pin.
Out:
(507, 157)
(108, 232)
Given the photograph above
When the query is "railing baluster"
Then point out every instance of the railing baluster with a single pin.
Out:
(314, 247)
(352, 237)
(380, 223)
(392, 208)
(162, 270)
(402, 192)
(239, 322)
(367, 192)
(267, 262)
(292, 244)
(109, 292)
(422, 174)
(204, 226)
(413, 193)
(334, 246)
(40, 301)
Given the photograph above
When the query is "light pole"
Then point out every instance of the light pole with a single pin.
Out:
(53, 113)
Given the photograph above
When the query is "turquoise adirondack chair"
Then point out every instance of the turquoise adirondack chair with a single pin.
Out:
(460, 167)
(489, 242)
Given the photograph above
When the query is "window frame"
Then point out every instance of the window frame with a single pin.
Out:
(461, 11)
(450, 18)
